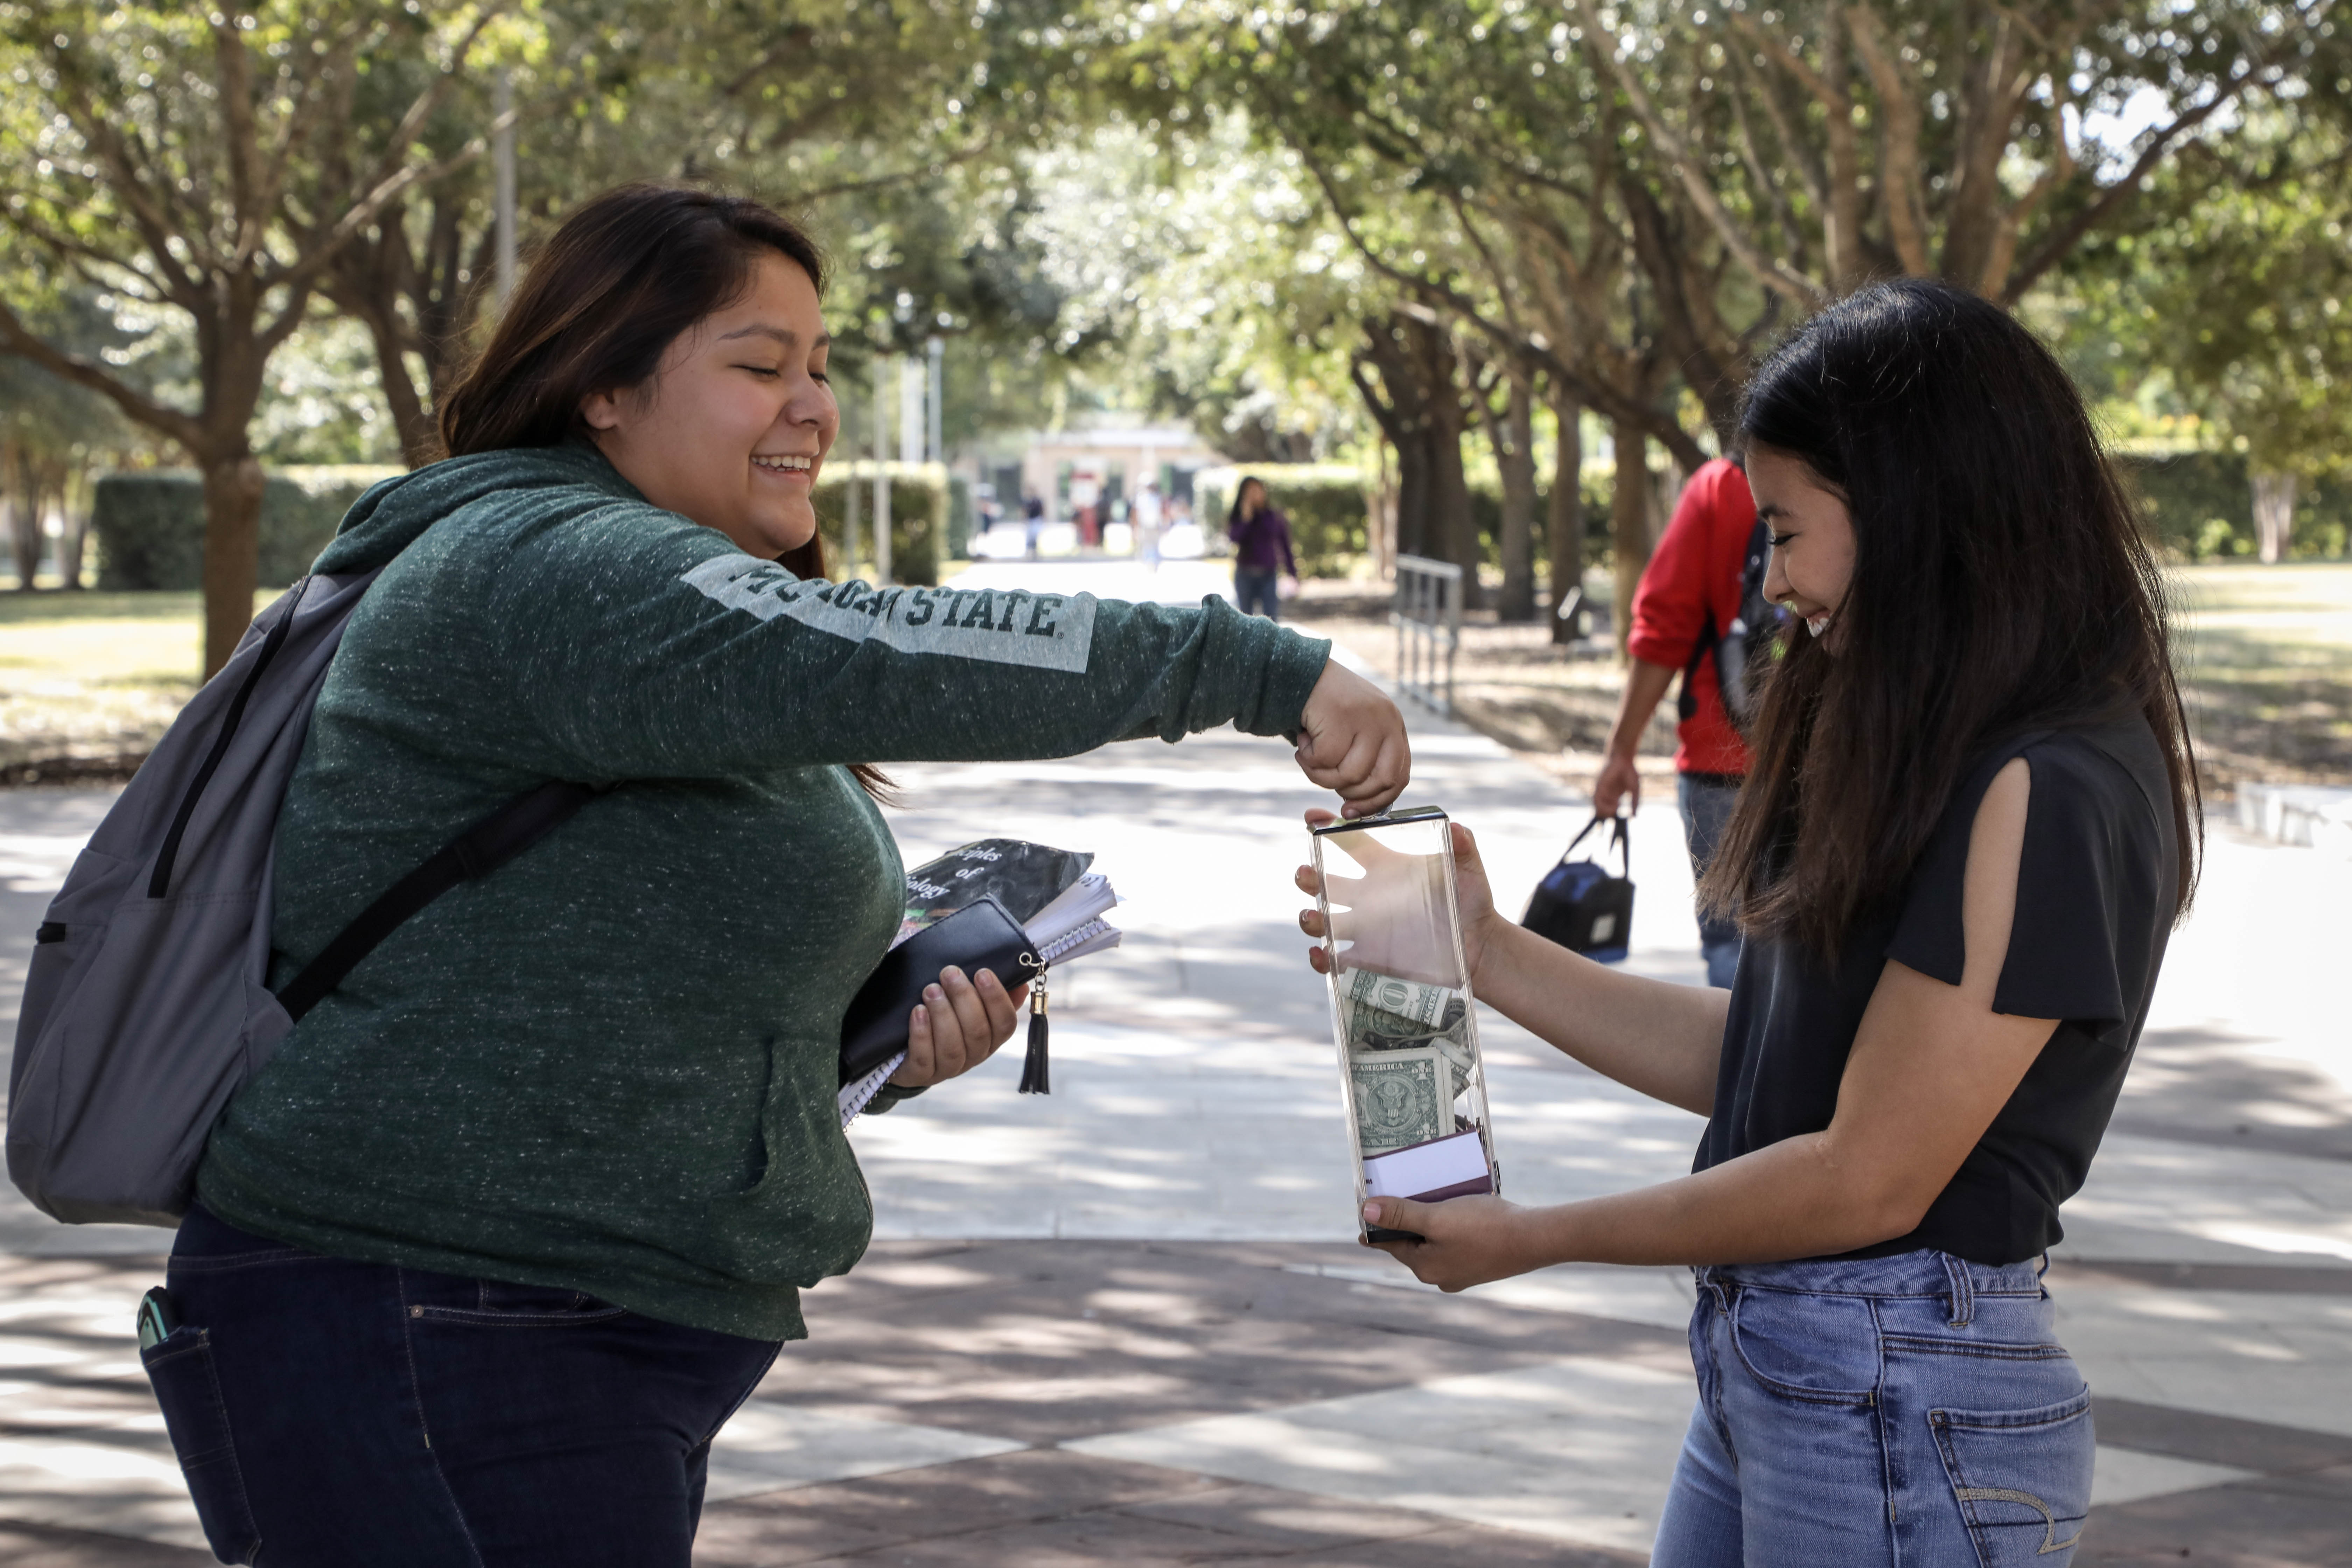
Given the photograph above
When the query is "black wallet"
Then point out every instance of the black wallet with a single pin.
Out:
(982, 935)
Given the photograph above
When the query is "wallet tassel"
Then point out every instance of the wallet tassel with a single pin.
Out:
(1034, 1075)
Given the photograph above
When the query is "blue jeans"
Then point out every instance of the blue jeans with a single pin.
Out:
(1913, 1410)
(1706, 800)
(1257, 594)
(355, 1415)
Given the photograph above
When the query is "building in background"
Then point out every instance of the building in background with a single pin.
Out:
(1101, 462)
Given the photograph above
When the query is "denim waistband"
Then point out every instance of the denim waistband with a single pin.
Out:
(1923, 1273)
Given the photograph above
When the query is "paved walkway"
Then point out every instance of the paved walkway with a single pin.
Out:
(1126, 1322)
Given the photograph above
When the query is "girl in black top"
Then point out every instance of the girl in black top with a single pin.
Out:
(1971, 824)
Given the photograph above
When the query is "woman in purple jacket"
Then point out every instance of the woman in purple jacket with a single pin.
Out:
(1262, 553)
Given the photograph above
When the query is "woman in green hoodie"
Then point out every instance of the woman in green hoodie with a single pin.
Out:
(519, 1215)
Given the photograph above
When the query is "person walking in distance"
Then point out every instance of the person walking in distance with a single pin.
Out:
(1262, 552)
(1690, 595)
(1145, 518)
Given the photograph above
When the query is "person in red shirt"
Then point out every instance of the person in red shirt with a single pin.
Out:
(1689, 594)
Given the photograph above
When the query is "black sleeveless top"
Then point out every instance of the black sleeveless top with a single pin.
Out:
(2095, 892)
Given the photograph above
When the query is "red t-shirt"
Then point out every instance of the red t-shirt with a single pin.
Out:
(1697, 569)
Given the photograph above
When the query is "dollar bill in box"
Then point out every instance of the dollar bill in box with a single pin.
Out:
(1401, 1009)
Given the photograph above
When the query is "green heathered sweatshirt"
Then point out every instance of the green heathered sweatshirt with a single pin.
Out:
(610, 1066)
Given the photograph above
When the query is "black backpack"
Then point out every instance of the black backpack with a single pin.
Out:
(1744, 652)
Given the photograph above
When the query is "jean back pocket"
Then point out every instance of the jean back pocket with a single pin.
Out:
(181, 1368)
(496, 1304)
(2022, 1478)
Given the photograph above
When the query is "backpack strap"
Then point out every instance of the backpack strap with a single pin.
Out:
(473, 854)
(159, 882)
(1711, 637)
(1686, 698)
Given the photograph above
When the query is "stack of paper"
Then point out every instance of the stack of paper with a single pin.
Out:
(1073, 926)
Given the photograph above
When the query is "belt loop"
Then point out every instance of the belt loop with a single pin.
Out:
(1709, 1280)
(1964, 1291)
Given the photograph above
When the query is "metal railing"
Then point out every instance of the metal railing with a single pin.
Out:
(1428, 620)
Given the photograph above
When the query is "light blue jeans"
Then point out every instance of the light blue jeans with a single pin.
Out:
(1913, 1410)
(1706, 800)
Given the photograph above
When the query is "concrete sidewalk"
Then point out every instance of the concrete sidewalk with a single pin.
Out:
(1126, 1322)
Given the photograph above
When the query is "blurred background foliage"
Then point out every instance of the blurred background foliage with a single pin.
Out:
(1480, 254)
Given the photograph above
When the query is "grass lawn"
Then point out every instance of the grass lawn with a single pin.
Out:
(2265, 658)
(89, 680)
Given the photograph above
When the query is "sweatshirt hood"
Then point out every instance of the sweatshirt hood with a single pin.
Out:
(394, 514)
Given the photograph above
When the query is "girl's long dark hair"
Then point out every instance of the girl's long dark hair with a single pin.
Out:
(2001, 583)
(604, 299)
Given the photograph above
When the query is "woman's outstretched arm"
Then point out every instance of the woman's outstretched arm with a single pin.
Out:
(639, 645)
(1652, 1036)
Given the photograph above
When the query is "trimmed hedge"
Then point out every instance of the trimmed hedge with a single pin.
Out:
(150, 526)
(921, 501)
(960, 518)
(1487, 515)
(1325, 503)
(2200, 506)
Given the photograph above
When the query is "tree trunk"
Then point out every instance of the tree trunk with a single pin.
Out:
(22, 502)
(1382, 517)
(1629, 526)
(1692, 333)
(1423, 418)
(1453, 528)
(1514, 439)
(233, 485)
(1565, 521)
(371, 277)
(1665, 494)
(2273, 514)
(420, 438)
(24, 537)
(1415, 484)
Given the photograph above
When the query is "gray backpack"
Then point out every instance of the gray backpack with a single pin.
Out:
(148, 1002)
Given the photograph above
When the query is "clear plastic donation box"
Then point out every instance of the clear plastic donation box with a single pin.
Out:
(1400, 1011)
